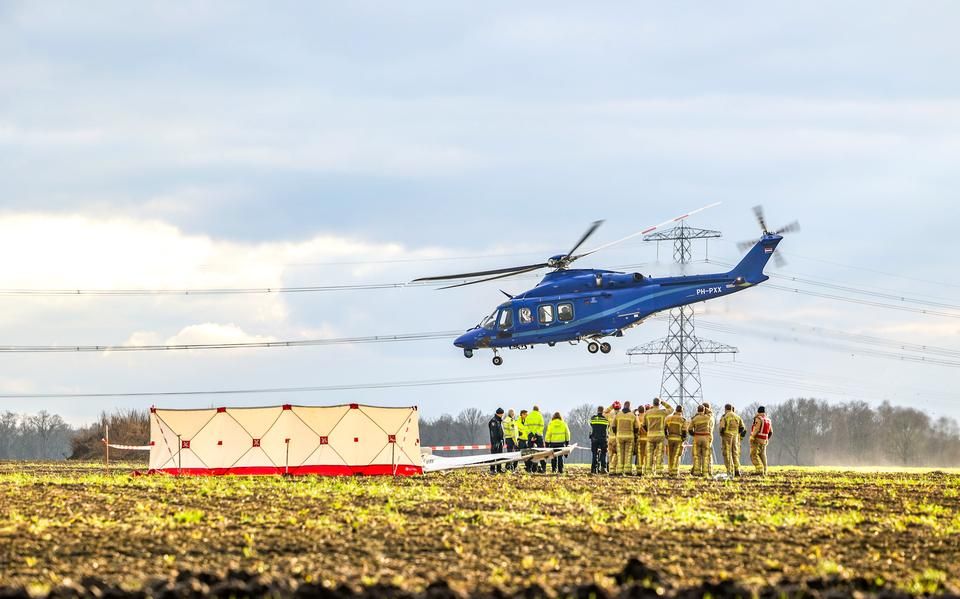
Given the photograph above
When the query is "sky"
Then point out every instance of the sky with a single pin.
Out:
(255, 145)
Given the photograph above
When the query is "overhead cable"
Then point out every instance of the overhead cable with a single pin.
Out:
(251, 344)
(534, 375)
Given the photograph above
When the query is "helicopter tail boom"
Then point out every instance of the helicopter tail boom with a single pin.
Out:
(752, 265)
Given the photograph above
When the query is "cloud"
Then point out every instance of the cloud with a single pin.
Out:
(211, 332)
(910, 331)
(67, 252)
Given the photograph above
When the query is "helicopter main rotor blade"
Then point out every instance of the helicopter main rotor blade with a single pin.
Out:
(793, 227)
(758, 212)
(481, 273)
(504, 276)
(646, 231)
(590, 231)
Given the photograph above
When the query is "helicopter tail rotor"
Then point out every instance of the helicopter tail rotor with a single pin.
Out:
(793, 227)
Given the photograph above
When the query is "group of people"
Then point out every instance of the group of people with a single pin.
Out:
(625, 441)
(512, 432)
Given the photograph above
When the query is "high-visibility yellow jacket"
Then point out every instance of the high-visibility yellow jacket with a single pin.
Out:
(610, 414)
(676, 426)
(510, 429)
(701, 425)
(653, 421)
(521, 429)
(730, 424)
(557, 432)
(625, 425)
(534, 423)
(641, 429)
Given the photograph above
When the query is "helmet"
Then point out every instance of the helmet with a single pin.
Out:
(616, 405)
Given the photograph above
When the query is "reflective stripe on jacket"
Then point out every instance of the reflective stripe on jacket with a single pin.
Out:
(557, 432)
(510, 429)
(730, 424)
(676, 427)
(534, 423)
(653, 420)
(625, 424)
(762, 428)
(701, 425)
(598, 428)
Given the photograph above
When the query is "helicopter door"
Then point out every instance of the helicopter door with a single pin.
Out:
(505, 323)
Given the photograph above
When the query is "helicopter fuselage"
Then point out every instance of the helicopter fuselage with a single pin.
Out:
(588, 304)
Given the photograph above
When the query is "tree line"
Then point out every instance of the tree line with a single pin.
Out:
(807, 432)
(40, 436)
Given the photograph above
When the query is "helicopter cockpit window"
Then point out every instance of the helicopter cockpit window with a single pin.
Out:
(489, 321)
(525, 315)
(565, 312)
(506, 319)
(545, 314)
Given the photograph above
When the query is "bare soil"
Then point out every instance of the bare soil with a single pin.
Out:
(68, 529)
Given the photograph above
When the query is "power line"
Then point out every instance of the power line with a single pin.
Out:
(848, 289)
(802, 376)
(37, 349)
(921, 359)
(210, 291)
(859, 338)
(247, 290)
(873, 270)
(862, 302)
(551, 374)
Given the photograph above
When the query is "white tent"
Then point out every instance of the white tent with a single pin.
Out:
(332, 440)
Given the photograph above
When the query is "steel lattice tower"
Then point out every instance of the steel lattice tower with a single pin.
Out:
(681, 348)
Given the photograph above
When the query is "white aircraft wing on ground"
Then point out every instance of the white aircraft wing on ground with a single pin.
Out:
(436, 463)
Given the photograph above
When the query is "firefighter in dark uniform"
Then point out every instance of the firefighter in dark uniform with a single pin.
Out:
(496, 437)
(598, 442)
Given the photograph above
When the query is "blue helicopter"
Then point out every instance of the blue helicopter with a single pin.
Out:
(590, 304)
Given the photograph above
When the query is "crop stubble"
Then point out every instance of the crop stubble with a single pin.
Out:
(474, 530)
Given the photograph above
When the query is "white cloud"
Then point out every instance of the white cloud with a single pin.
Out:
(211, 332)
(55, 251)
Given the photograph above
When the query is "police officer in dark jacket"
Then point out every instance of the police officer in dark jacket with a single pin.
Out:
(598, 442)
(496, 437)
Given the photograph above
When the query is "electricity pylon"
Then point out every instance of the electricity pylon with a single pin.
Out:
(681, 348)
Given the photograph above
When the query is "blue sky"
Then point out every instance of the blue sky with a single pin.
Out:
(227, 144)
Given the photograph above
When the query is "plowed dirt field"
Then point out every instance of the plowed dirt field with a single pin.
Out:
(475, 532)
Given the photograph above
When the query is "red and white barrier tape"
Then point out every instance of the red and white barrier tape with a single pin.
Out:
(127, 447)
(457, 447)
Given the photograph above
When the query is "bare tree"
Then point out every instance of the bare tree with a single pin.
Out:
(9, 434)
(905, 430)
(473, 425)
(578, 419)
(793, 426)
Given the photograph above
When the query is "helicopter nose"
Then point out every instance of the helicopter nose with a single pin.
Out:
(466, 341)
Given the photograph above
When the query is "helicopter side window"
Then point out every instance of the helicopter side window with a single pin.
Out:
(565, 312)
(545, 314)
(525, 315)
(506, 319)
